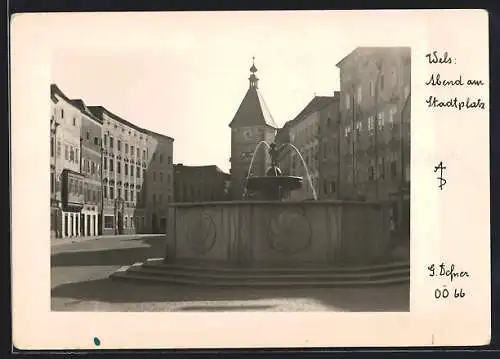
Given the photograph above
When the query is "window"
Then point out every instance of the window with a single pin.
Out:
(96, 141)
(131, 170)
(132, 195)
(109, 222)
(138, 172)
(126, 148)
(126, 169)
(138, 153)
(381, 120)
(359, 94)
(52, 182)
(77, 158)
(105, 140)
(125, 222)
(66, 152)
(154, 176)
(74, 121)
(154, 198)
(371, 125)
(168, 177)
(105, 162)
(62, 113)
(144, 155)
(161, 158)
(111, 165)
(372, 88)
(347, 101)
(126, 195)
(381, 82)
(131, 150)
(88, 135)
(169, 160)
(72, 154)
(119, 145)
(154, 156)
(119, 194)
(105, 191)
(110, 142)
(118, 167)
(381, 170)
(359, 127)
(392, 113)
(393, 168)
(138, 197)
(59, 148)
(160, 199)
(371, 173)
(161, 176)
(52, 147)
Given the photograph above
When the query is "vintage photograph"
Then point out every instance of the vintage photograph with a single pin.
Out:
(178, 184)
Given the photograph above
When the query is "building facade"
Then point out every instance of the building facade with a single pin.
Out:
(136, 165)
(375, 122)
(200, 184)
(303, 133)
(66, 180)
(251, 124)
(329, 150)
(90, 167)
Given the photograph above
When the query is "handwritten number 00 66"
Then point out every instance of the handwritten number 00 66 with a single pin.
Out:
(444, 293)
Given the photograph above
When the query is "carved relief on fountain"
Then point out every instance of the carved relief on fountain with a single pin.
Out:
(290, 231)
(201, 232)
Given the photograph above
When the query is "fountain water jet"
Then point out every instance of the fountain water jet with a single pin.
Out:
(274, 184)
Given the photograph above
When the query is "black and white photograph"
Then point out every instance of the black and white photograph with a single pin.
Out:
(250, 179)
(206, 194)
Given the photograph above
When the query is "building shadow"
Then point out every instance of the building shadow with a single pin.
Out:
(394, 298)
(154, 247)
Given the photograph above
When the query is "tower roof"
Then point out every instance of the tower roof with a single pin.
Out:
(253, 110)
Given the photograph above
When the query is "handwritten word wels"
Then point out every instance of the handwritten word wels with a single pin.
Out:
(435, 58)
(443, 271)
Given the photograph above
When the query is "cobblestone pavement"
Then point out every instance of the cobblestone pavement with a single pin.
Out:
(79, 282)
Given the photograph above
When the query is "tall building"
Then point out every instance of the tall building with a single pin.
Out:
(67, 198)
(251, 124)
(90, 168)
(329, 135)
(137, 176)
(200, 183)
(375, 121)
(303, 133)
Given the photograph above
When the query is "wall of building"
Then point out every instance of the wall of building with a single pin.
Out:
(65, 132)
(375, 83)
(91, 135)
(200, 184)
(329, 150)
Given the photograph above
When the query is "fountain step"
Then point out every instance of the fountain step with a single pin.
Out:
(169, 273)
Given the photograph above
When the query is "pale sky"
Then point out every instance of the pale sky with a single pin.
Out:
(190, 85)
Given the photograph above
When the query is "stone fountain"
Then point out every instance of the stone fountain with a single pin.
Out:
(244, 237)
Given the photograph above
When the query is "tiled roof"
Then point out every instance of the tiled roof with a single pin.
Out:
(78, 104)
(253, 111)
(197, 168)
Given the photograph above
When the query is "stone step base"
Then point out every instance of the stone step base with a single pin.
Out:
(204, 275)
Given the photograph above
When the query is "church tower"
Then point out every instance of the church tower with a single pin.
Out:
(251, 124)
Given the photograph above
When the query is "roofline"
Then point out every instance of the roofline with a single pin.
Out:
(346, 56)
(127, 123)
(54, 89)
(217, 168)
(302, 114)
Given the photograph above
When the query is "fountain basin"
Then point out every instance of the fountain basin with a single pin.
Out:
(263, 233)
